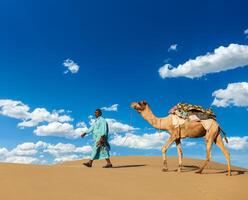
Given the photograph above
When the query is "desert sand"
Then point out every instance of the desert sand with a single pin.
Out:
(131, 178)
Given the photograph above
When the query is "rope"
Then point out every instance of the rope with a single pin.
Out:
(130, 124)
(159, 130)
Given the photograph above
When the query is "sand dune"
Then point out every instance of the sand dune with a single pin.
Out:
(132, 178)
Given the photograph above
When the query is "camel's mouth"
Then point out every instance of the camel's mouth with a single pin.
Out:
(135, 106)
(139, 106)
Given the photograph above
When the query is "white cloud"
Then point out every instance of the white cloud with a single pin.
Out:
(246, 31)
(25, 149)
(235, 94)
(222, 59)
(118, 127)
(41, 145)
(57, 122)
(59, 129)
(71, 66)
(14, 109)
(62, 149)
(114, 108)
(19, 110)
(145, 141)
(3, 152)
(38, 153)
(67, 158)
(189, 144)
(23, 153)
(22, 160)
(67, 152)
(81, 124)
(42, 115)
(173, 47)
(237, 143)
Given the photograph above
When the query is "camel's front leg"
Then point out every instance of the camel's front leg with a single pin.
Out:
(171, 139)
(180, 155)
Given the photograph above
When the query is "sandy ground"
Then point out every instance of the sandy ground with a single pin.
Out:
(132, 178)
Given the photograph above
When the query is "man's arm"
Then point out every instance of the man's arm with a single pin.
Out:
(87, 131)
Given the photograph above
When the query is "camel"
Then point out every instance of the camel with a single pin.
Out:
(190, 129)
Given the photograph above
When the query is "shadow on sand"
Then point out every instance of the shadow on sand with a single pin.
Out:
(127, 166)
(190, 168)
(234, 172)
(186, 168)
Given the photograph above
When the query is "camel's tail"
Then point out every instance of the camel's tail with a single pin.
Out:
(224, 134)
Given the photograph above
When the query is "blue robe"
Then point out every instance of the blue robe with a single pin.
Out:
(99, 129)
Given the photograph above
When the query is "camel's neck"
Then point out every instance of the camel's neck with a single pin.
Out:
(159, 123)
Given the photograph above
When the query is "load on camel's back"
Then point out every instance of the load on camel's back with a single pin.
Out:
(185, 111)
(186, 120)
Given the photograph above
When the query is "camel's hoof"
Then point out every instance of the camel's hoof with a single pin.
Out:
(179, 170)
(229, 174)
(198, 172)
(165, 170)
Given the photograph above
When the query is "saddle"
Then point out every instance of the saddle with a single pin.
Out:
(188, 111)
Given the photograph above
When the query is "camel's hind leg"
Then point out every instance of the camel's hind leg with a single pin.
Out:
(220, 144)
(208, 155)
(180, 155)
(210, 137)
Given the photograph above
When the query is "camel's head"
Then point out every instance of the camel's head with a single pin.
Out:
(139, 106)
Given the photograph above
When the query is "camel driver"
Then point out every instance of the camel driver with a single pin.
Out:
(101, 146)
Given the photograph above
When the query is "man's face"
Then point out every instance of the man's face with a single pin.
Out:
(97, 113)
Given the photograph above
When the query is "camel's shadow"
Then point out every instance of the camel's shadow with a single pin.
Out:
(234, 172)
(190, 168)
(185, 168)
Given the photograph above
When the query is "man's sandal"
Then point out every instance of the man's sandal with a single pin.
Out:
(108, 166)
(87, 164)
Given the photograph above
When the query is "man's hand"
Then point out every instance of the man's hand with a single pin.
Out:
(101, 142)
(83, 134)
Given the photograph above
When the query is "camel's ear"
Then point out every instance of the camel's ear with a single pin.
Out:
(144, 102)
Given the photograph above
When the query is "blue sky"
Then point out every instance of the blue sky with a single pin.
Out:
(116, 49)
